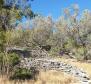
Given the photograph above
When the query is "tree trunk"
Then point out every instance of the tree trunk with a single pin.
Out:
(85, 53)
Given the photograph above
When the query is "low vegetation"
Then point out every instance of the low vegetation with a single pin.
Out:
(69, 35)
(23, 74)
(48, 77)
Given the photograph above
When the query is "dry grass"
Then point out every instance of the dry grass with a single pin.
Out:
(81, 65)
(54, 77)
(48, 77)
(5, 80)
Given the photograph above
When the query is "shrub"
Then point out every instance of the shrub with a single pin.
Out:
(79, 53)
(54, 51)
(8, 62)
(13, 59)
(23, 73)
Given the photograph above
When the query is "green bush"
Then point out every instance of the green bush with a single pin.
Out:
(23, 73)
(8, 62)
(13, 59)
(54, 51)
(79, 53)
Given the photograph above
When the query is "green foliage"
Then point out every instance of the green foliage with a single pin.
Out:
(13, 59)
(2, 40)
(1, 58)
(1, 2)
(8, 62)
(54, 51)
(23, 73)
(79, 53)
(10, 13)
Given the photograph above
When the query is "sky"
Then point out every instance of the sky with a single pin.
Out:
(55, 8)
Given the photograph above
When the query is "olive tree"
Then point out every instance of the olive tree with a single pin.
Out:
(42, 28)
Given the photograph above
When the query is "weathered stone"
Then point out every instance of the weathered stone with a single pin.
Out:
(48, 64)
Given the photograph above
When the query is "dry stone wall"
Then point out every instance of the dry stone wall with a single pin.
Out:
(51, 64)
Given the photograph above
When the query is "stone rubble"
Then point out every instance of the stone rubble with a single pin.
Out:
(51, 64)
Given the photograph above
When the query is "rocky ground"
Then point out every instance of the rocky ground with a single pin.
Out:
(52, 64)
(40, 60)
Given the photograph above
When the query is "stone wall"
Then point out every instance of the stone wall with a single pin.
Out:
(51, 64)
(34, 53)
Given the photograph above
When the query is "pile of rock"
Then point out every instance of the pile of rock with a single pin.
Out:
(23, 52)
(39, 53)
(52, 64)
